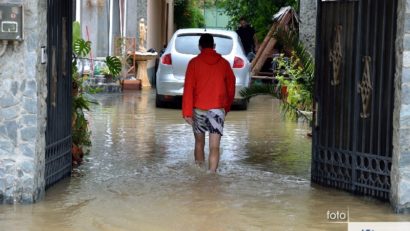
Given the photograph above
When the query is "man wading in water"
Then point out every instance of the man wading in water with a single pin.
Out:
(209, 91)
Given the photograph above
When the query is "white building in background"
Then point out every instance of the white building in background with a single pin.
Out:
(104, 20)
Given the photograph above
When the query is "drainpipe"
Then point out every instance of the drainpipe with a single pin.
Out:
(4, 47)
(121, 6)
(125, 17)
(110, 35)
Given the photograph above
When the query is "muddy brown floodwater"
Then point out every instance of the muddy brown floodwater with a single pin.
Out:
(140, 176)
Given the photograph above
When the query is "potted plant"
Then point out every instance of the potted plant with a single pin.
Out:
(295, 79)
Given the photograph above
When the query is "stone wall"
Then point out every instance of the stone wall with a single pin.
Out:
(23, 110)
(400, 176)
(307, 27)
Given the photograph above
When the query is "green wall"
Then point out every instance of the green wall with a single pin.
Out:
(215, 18)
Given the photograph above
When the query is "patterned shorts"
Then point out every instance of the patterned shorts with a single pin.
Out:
(211, 120)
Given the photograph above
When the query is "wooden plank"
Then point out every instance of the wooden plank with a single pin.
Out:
(266, 49)
(265, 54)
(263, 45)
(265, 73)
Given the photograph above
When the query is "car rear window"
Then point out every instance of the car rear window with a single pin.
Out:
(188, 44)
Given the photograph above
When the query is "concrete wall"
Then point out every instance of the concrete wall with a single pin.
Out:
(156, 27)
(116, 31)
(171, 23)
(307, 27)
(400, 176)
(160, 28)
(94, 17)
(155, 21)
(136, 9)
(23, 110)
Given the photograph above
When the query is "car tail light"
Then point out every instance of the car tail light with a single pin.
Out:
(166, 59)
(238, 63)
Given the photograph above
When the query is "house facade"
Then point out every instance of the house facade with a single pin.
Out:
(102, 21)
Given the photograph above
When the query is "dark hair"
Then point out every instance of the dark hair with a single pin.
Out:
(206, 41)
(242, 19)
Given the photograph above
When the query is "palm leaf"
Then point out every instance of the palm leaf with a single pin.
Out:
(82, 47)
(113, 64)
(79, 103)
(260, 89)
(291, 41)
(273, 90)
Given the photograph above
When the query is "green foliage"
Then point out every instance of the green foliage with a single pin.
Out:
(76, 31)
(81, 134)
(293, 78)
(295, 74)
(80, 103)
(105, 70)
(209, 3)
(299, 70)
(291, 41)
(80, 130)
(81, 47)
(93, 90)
(261, 89)
(257, 12)
(187, 14)
(274, 90)
(114, 65)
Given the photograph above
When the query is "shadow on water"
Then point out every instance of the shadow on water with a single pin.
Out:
(140, 176)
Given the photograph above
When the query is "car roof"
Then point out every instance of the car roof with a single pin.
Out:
(206, 30)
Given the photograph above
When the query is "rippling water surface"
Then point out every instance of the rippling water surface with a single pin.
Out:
(140, 176)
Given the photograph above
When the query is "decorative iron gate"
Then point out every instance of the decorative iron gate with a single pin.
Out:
(58, 133)
(355, 64)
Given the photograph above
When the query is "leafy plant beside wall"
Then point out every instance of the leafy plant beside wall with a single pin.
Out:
(80, 130)
(188, 14)
(258, 12)
(295, 78)
(296, 92)
(81, 133)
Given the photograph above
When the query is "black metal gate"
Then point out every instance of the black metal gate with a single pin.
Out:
(355, 64)
(58, 133)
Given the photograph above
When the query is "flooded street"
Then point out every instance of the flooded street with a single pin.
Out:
(140, 175)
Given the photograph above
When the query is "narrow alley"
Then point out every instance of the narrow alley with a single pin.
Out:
(140, 175)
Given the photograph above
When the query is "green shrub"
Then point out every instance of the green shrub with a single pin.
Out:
(295, 74)
(257, 12)
(188, 15)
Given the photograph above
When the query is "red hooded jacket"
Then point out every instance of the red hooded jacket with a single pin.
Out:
(209, 83)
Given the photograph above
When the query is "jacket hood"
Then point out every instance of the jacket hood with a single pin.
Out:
(209, 56)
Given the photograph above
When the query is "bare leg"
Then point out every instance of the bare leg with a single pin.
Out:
(214, 142)
(199, 148)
